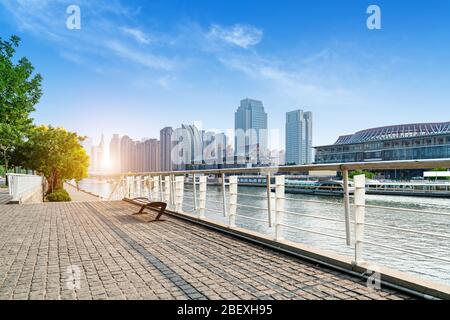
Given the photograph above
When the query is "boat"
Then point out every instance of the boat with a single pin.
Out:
(298, 186)
(321, 188)
(413, 188)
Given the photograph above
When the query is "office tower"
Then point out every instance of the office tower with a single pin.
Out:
(298, 137)
(188, 147)
(250, 124)
(97, 153)
(127, 154)
(114, 153)
(148, 156)
(221, 145)
(214, 148)
(165, 138)
(87, 145)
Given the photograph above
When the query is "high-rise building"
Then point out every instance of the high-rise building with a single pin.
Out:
(187, 151)
(214, 148)
(165, 138)
(87, 145)
(298, 137)
(127, 154)
(251, 136)
(114, 153)
(97, 154)
(148, 156)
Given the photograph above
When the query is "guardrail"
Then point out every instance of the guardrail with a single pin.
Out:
(174, 188)
(22, 187)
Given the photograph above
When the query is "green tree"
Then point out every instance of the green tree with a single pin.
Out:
(368, 174)
(55, 153)
(20, 91)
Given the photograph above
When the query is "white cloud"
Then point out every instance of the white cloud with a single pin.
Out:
(290, 80)
(145, 59)
(244, 36)
(137, 35)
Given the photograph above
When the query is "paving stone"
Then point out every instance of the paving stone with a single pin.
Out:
(97, 250)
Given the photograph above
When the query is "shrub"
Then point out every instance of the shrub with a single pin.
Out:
(59, 195)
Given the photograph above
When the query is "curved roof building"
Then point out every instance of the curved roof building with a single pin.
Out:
(396, 132)
(400, 142)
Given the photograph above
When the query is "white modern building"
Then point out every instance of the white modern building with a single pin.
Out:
(165, 138)
(299, 148)
(251, 135)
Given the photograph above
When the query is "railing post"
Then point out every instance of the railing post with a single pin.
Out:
(167, 188)
(194, 185)
(128, 185)
(202, 191)
(147, 187)
(133, 186)
(172, 189)
(224, 196)
(179, 193)
(360, 202)
(155, 188)
(347, 207)
(279, 207)
(160, 188)
(143, 181)
(233, 188)
(269, 200)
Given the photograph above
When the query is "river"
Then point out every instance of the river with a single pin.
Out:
(424, 267)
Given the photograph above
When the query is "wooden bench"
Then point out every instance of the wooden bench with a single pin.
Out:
(146, 204)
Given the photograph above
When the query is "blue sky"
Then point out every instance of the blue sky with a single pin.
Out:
(138, 66)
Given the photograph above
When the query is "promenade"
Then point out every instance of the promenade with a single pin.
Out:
(79, 195)
(97, 250)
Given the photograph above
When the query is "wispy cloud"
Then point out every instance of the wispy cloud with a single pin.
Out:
(145, 59)
(292, 80)
(46, 19)
(137, 35)
(244, 36)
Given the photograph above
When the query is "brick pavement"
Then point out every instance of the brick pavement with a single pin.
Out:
(96, 250)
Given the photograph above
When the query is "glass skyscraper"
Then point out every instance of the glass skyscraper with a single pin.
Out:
(250, 124)
(298, 137)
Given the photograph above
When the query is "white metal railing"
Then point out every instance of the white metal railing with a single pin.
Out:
(176, 186)
(22, 186)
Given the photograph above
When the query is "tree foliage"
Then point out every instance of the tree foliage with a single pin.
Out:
(55, 153)
(368, 174)
(20, 91)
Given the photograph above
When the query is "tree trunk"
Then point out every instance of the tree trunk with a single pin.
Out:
(5, 158)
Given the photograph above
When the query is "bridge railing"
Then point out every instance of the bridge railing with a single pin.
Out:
(21, 187)
(186, 192)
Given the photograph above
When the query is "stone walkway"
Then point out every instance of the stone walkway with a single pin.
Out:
(79, 196)
(4, 196)
(97, 250)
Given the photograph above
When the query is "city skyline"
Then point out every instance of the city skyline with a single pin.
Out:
(163, 68)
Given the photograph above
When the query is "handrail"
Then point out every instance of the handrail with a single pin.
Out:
(377, 165)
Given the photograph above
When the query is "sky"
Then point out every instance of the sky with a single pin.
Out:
(135, 67)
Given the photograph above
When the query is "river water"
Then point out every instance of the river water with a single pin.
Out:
(424, 267)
